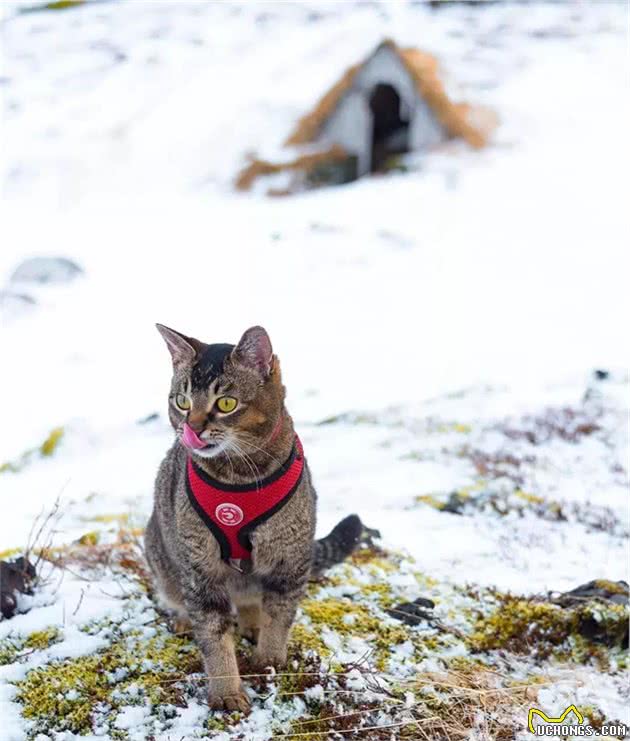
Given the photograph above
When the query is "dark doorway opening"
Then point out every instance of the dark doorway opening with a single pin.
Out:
(390, 132)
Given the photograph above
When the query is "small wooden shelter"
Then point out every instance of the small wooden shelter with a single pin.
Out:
(391, 103)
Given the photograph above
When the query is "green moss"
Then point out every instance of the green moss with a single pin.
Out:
(424, 581)
(612, 587)
(41, 639)
(428, 643)
(380, 590)
(63, 695)
(593, 716)
(526, 626)
(466, 664)
(340, 615)
(63, 4)
(456, 499)
(91, 538)
(216, 724)
(53, 5)
(46, 449)
(383, 593)
(460, 427)
(429, 499)
(350, 619)
(519, 624)
(44, 694)
(10, 649)
(50, 444)
(375, 559)
(529, 498)
(465, 492)
(304, 639)
(583, 651)
(531, 680)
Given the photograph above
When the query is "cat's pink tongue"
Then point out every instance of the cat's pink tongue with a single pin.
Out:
(191, 439)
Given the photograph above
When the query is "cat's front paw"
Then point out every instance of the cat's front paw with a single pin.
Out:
(249, 632)
(181, 626)
(265, 660)
(229, 703)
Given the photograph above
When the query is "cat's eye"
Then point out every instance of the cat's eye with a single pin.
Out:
(226, 404)
(182, 402)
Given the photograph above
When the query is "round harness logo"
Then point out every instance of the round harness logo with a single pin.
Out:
(229, 514)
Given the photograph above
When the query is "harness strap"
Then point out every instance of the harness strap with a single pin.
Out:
(233, 511)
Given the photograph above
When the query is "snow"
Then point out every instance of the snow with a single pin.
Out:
(132, 716)
(421, 309)
(12, 721)
(189, 722)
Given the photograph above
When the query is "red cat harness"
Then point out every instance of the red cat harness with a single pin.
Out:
(232, 512)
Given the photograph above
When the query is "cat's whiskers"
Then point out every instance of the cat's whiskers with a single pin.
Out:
(253, 466)
(229, 460)
(262, 450)
(235, 447)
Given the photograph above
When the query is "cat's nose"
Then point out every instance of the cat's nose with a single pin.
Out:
(197, 420)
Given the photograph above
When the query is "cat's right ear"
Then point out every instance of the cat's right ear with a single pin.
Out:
(183, 349)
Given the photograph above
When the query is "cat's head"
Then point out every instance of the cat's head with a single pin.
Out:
(224, 397)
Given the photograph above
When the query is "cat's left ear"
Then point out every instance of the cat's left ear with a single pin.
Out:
(254, 351)
(183, 349)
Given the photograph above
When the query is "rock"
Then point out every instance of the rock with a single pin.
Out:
(411, 613)
(605, 590)
(15, 576)
(46, 270)
(455, 504)
(13, 301)
(598, 627)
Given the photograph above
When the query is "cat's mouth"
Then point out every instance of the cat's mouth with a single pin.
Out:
(191, 440)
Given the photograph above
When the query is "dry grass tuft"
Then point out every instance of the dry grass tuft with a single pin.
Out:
(461, 120)
(308, 127)
(470, 700)
(569, 424)
(303, 163)
(122, 556)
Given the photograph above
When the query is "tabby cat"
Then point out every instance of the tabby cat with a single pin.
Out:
(235, 442)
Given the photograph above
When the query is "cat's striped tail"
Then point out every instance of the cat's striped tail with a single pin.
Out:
(340, 542)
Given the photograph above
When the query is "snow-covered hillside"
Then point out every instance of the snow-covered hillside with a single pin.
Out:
(438, 329)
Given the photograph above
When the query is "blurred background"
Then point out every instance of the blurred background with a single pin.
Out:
(489, 250)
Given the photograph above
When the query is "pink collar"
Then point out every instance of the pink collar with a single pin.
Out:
(277, 429)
